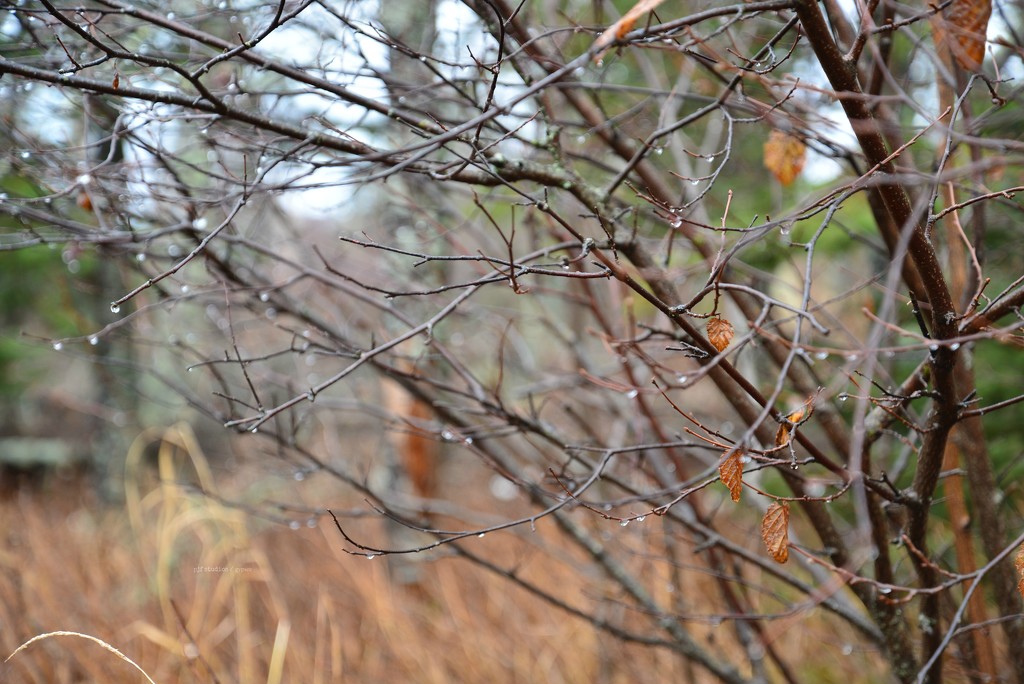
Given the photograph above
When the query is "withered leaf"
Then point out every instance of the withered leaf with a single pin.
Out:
(961, 29)
(775, 531)
(782, 435)
(731, 472)
(720, 332)
(619, 29)
(784, 156)
(1018, 562)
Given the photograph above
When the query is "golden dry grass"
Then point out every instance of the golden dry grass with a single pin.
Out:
(194, 591)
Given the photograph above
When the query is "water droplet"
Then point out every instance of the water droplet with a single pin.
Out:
(784, 230)
(683, 377)
(641, 518)
(468, 441)
(659, 150)
(84, 179)
(93, 340)
(311, 523)
(694, 181)
(821, 356)
(115, 307)
(623, 523)
(140, 257)
(632, 394)
(843, 397)
(447, 435)
(954, 346)
(885, 589)
(311, 396)
(371, 556)
(299, 475)
(57, 346)
(481, 535)
(933, 347)
(851, 357)
(264, 296)
(847, 649)
(255, 429)
(709, 158)
(26, 154)
(294, 524)
(581, 139)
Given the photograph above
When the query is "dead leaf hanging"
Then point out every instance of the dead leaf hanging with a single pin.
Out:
(619, 29)
(782, 435)
(775, 531)
(784, 156)
(961, 29)
(794, 418)
(1018, 562)
(720, 332)
(731, 472)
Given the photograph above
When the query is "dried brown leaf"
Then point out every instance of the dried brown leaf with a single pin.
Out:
(720, 332)
(782, 435)
(731, 472)
(784, 156)
(619, 29)
(775, 531)
(1018, 562)
(961, 30)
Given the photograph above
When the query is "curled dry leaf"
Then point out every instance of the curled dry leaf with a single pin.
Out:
(961, 29)
(784, 156)
(731, 472)
(619, 29)
(84, 201)
(1018, 562)
(775, 531)
(720, 332)
(782, 435)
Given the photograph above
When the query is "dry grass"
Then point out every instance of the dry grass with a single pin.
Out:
(194, 591)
